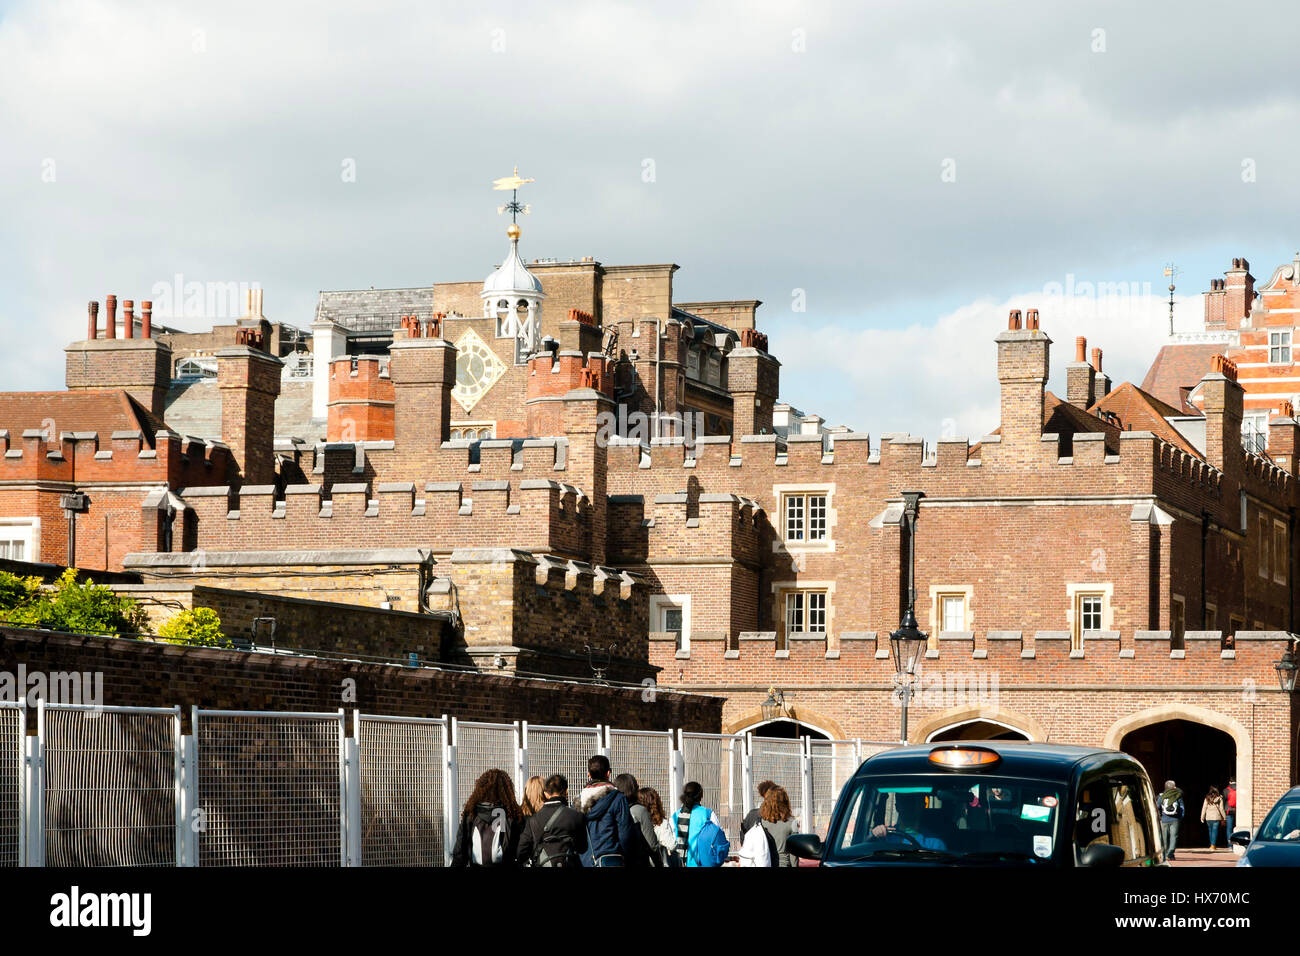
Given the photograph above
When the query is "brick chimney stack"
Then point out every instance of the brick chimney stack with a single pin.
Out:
(1023, 362)
(1284, 437)
(423, 373)
(754, 378)
(1223, 411)
(140, 366)
(1103, 380)
(1080, 377)
(249, 382)
(1228, 302)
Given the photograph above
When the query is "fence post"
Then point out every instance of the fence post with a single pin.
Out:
(677, 767)
(189, 799)
(22, 781)
(805, 783)
(35, 790)
(747, 773)
(523, 757)
(602, 736)
(178, 785)
(451, 791)
(351, 808)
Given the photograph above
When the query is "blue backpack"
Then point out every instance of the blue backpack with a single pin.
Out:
(711, 845)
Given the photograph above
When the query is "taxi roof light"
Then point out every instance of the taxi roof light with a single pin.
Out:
(964, 758)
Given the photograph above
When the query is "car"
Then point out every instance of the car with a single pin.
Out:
(1277, 842)
(992, 803)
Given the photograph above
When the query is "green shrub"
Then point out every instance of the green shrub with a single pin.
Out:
(200, 626)
(68, 605)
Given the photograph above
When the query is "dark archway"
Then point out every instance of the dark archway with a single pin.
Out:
(978, 730)
(787, 730)
(1195, 757)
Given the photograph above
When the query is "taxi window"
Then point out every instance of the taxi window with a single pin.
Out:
(1110, 810)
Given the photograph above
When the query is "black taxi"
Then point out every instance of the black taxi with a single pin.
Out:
(992, 803)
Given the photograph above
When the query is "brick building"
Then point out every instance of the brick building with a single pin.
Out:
(574, 465)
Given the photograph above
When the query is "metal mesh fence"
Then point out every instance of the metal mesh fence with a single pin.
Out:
(646, 756)
(562, 750)
(833, 762)
(401, 791)
(481, 747)
(714, 762)
(268, 789)
(110, 788)
(780, 761)
(11, 785)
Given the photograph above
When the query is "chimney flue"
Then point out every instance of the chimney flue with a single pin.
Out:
(146, 319)
(1080, 349)
(1013, 320)
(1096, 360)
(128, 319)
(92, 320)
(110, 317)
(1031, 319)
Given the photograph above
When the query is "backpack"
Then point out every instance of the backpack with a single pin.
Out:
(711, 845)
(487, 841)
(554, 849)
(1169, 803)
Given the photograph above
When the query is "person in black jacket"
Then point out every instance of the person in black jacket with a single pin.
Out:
(556, 835)
(609, 824)
(752, 817)
(490, 824)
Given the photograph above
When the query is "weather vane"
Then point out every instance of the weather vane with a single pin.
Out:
(1171, 273)
(512, 183)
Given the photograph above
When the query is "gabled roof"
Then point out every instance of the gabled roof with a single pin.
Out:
(1062, 418)
(1175, 372)
(1139, 411)
(103, 411)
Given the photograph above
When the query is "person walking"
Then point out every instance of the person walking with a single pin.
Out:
(665, 837)
(556, 835)
(644, 842)
(1171, 817)
(1230, 807)
(533, 796)
(778, 822)
(609, 825)
(1213, 814)
(490, 824)
(700, 840)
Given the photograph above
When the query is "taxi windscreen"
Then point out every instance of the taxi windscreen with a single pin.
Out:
(943, 818)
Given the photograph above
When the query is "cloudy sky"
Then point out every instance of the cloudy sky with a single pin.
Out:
(905, 172)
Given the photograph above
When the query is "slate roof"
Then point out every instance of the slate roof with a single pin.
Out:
(1175, 372)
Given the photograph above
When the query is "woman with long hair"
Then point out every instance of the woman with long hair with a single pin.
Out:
(1213, 813)
(533, 796)
(490, 823)
(778, 820)
(648, 797)
(644, 839)
(688, 822)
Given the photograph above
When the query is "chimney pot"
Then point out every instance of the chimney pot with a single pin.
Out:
(1013, 320)
(110, 317)
(146, 319)
(1031, 319)
(1080, 349)
(1096, 359)
(92, 320)
(128, 319)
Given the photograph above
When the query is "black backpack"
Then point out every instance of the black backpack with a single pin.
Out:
(554, 849)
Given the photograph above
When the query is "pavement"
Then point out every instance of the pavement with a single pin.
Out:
(1203, 856)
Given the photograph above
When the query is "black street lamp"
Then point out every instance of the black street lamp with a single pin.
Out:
(908, 643)
(1286, 670)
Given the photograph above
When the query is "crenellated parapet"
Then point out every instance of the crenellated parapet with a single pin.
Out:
(671, 526)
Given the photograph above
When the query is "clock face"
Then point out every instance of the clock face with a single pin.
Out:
(477, 369)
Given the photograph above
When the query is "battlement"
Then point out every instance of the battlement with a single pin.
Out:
(121, 456)
(1104, 657)
(716, 525)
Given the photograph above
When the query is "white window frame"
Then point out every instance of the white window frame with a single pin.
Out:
(1279, 346)
(804, 598)
(458, 430)
(1076, 593)
(783, 494)
(782, 588)
(659, 603)
(26, 530)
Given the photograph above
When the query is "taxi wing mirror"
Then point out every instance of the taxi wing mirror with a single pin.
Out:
(1102, 854)
(806, 846)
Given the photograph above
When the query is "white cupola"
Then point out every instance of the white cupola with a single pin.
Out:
(513, 297)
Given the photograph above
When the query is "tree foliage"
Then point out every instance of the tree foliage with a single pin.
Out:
(69, 605)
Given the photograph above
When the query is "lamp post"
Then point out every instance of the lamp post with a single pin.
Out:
(1286, 669)
(774, 707)
(908, 642)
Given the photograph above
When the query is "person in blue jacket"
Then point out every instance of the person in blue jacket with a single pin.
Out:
(688, 821)
(609, 824)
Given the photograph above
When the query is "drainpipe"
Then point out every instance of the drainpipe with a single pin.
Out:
(658, 359)
(1205, 534)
